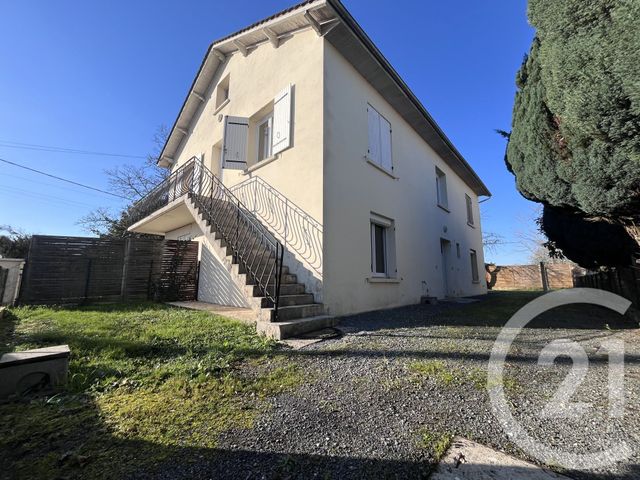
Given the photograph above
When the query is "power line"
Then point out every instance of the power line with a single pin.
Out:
(49, 148)
(62, 179)
(43, 197)
(53, 185)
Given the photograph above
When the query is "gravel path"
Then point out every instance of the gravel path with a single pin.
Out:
(382, 400)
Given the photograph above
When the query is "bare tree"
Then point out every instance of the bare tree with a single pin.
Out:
(491, 241)
(534, 243)
(135, 181)
(132, 181)
(14, 243)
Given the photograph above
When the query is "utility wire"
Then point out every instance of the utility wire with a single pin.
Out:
(62, 179)
(52, 185)
(48, 148)
(43, 197)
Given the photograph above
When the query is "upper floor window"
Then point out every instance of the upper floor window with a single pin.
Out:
(265, 137)
(222, 92)
(469, 210)
(267, 133)
(441, 188)
(379, 151)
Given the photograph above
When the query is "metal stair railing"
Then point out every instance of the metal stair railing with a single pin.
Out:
(253, 246)
(297, 230)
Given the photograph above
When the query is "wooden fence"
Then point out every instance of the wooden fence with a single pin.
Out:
(4, 274)
(623, 281)
(76, 270)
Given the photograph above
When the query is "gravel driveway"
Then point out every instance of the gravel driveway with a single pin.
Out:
(383, 400)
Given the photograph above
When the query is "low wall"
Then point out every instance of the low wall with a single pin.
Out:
(12, 283)
(530, 277)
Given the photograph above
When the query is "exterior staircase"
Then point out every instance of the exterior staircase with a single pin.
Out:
(249, 251)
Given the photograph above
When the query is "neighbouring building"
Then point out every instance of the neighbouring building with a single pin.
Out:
(299, 141)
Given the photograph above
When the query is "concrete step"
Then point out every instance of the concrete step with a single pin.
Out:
(259, 268)
(291, 328)
(295, 312)
(290, 300)
(285, 289)
(256, 251)
(287, 278)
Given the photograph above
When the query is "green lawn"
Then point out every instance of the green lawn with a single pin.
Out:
(144, 379)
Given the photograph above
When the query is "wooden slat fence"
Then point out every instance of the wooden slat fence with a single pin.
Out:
(623, 281)
(4, 274)
(75, 270)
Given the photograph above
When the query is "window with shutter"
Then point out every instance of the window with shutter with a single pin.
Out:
(469, 210)
(234, 149)
(441, 188)
(281, 136)
(379, 149)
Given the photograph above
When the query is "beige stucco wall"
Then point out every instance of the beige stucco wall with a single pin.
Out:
(353, 189)
(254, 82)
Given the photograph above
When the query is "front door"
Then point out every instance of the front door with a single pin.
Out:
(445, 250)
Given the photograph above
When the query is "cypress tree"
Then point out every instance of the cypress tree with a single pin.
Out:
(575, 139)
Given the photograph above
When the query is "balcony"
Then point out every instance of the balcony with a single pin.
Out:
(164, 208)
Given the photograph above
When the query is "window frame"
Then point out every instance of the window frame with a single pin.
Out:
(385, 253)
(442, 193)
(475, 271)
(268, 118)
(223, 87)
(469, 206)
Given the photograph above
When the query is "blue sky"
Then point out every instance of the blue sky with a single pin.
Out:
(101, 76)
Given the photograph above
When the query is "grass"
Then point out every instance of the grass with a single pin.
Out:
(449, 376)
(497, 309)
(436, 443)
(144, 381)
(434, 369)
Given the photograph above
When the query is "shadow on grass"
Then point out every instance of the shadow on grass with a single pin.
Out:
(7, 330)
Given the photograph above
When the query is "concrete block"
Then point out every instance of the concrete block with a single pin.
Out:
(467, 460)
(42, 370)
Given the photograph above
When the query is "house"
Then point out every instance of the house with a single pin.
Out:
(314, 179)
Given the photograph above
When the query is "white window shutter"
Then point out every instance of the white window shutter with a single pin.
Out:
(281, 138)
(374, 134)
(234, 150)
(385, 144)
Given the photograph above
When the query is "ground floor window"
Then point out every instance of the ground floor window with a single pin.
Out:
(378, 250)
(382, 247)
(475, 277)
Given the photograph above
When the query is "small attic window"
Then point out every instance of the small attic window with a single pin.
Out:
(222, 92)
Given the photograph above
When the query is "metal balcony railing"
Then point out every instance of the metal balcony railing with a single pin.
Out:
(253, 246)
